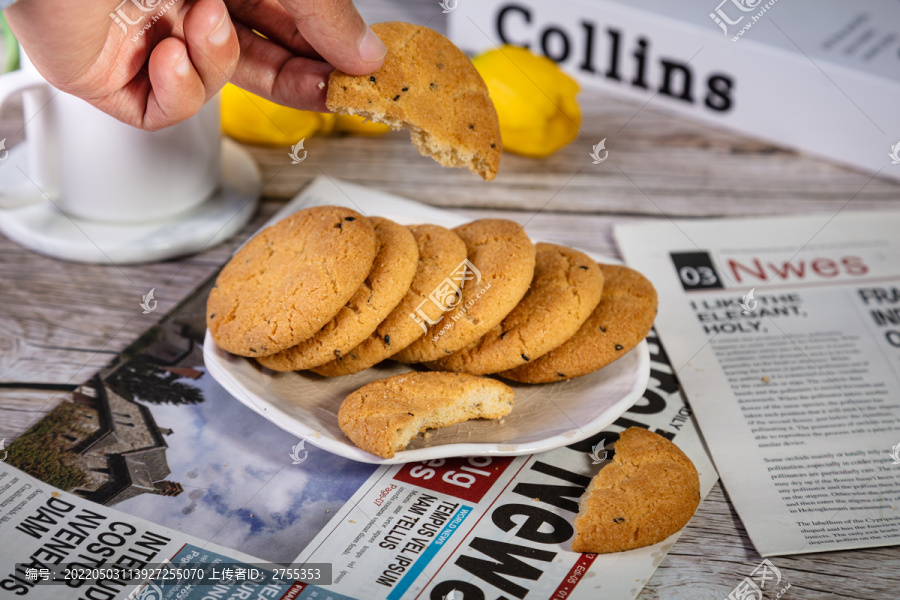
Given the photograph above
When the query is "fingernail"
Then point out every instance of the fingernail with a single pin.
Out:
(222, 32)
(371, 48)
(183, 64)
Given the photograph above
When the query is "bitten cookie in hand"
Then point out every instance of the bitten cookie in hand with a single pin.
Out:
(384, 416)
(649, 491)
(430, 86)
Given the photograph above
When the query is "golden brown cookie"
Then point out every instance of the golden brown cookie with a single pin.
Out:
(649, 491)
(289, 280)
(393, 270)
(384, 416)
(500, 267)
(619, 323)
(430, 86)
(566, 288)
(441, 252)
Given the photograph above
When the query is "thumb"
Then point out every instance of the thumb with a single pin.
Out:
(338, 33)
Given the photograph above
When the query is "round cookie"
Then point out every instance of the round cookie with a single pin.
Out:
(430, 86)
(499, 269)
(621, 320)
(441, 252)
(649, 491)
(566, 288)
(386, 284)
(384, 416)
(289, 280)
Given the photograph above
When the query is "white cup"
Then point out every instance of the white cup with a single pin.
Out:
(95, 167)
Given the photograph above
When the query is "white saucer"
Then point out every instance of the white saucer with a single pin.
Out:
(42, 227)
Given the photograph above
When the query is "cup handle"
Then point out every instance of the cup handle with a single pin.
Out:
(11, 84)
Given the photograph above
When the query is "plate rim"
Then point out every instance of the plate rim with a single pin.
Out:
(213, 358)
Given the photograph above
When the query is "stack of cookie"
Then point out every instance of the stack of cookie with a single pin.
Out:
(335, 292)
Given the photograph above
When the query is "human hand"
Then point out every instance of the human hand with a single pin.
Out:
(152, 74)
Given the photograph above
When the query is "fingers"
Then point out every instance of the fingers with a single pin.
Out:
(271, 71)
(212, 44)
(185, 74)
(337, 32)
(269, 18)
(176, 89)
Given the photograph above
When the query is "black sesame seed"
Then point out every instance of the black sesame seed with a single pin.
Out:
(387, 340)
(252, 349)
(410, 414)
(433, 85)
(471, 126)
(406, 89)
(525, 357)
(493, 145)
(619, 520)
(583, 267)
(349, 218)
(619, 347)
(340, 225)
(603, 329)
(345, 88)
(397, 97)
(337, 353)
(558, 374)
(212, 316)
(372, 79)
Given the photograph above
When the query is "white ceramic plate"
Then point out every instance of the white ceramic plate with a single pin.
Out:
(544, 417)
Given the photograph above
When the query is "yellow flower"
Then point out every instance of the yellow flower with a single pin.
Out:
(535, 100)
(252, 119)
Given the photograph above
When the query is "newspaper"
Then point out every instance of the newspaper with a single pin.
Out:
(785, 333)
(153, 443)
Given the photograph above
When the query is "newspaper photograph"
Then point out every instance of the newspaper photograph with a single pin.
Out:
(785, 335)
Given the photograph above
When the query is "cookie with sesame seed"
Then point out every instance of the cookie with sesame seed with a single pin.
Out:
(384, 416)
(429, 86)
(289, 280)
(649, 491)
(386, 284)
(565, 290)
(441, 252)
(622, 319)
(489, 285)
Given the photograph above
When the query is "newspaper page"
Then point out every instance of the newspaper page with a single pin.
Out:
(152, 441)
(785, 334)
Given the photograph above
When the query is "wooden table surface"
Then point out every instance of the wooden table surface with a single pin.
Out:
(60, 322)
